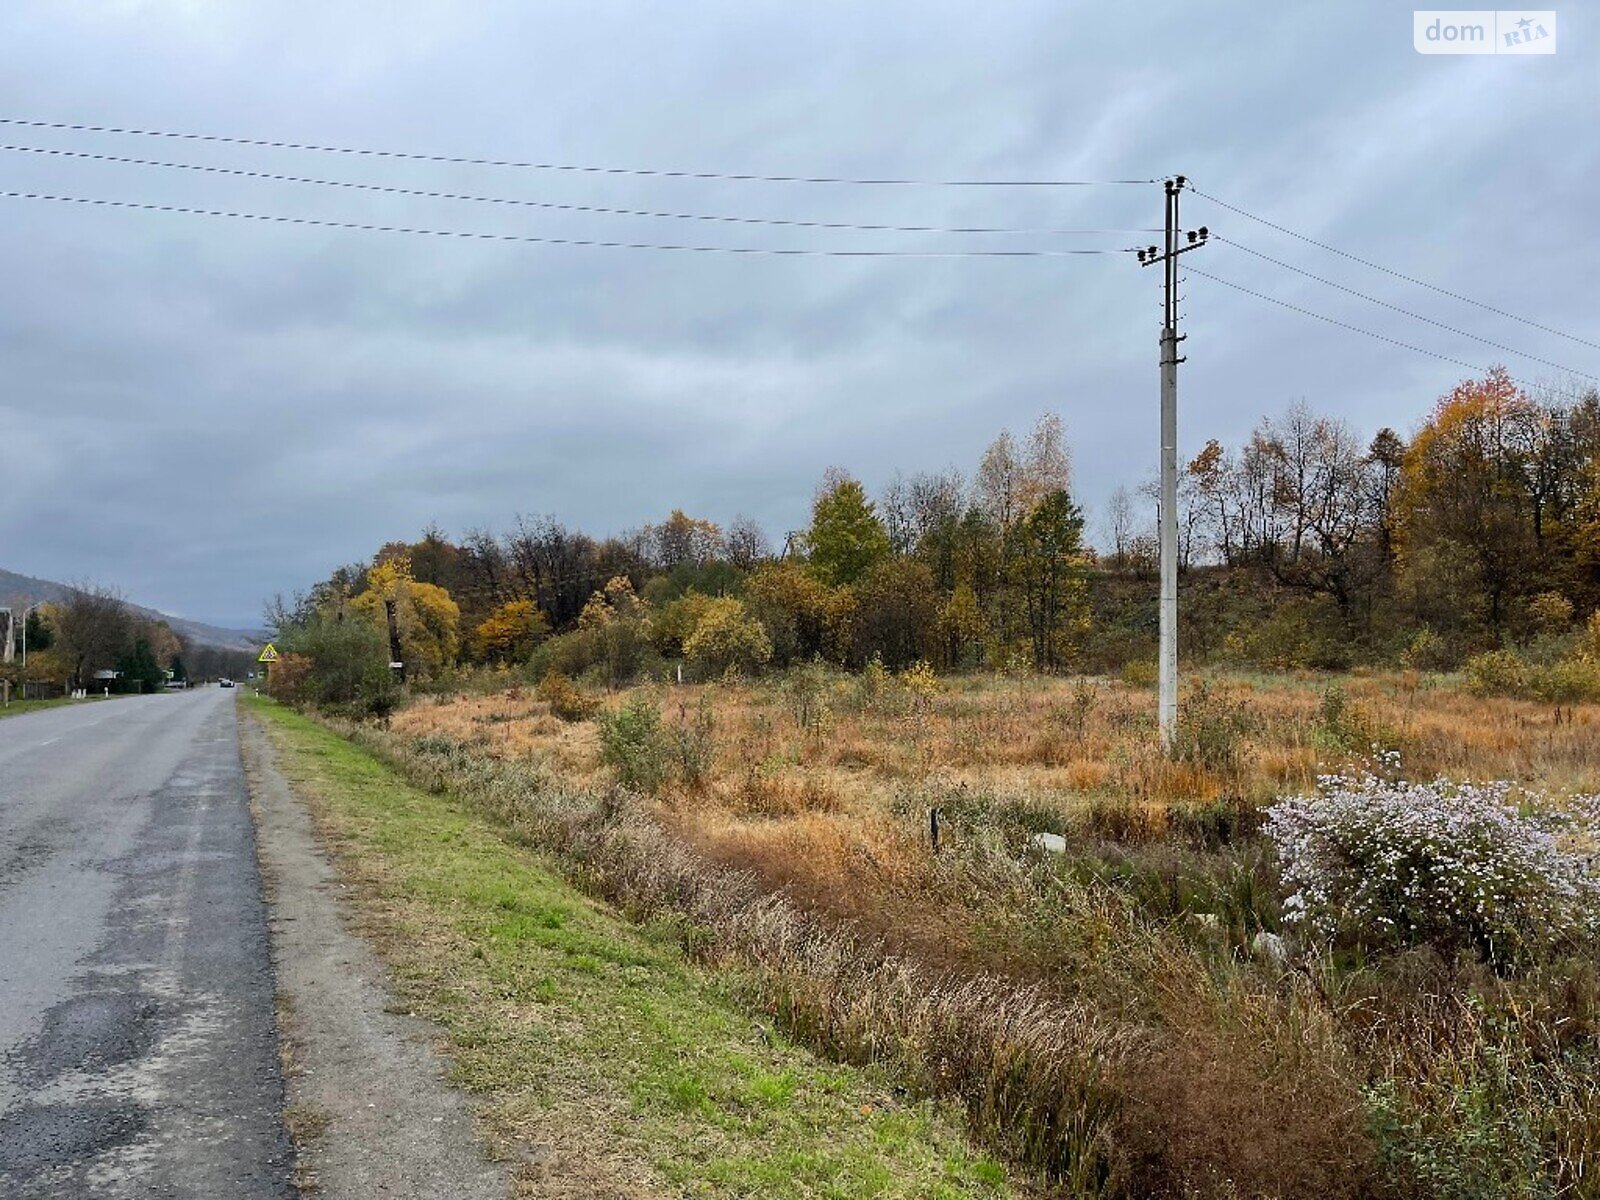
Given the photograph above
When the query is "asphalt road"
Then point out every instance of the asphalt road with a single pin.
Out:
(138, 1048)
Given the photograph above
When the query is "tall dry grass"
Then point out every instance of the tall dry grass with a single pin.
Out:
(1150, 1080)
(1093, 1026)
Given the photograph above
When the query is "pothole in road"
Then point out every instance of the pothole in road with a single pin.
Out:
(43, 1141)
(93, 1032)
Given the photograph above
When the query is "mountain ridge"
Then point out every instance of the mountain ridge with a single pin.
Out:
(15, 589)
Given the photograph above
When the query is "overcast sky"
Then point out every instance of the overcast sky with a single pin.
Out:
(205, 411)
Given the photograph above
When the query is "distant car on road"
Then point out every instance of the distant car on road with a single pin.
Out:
(224, 683)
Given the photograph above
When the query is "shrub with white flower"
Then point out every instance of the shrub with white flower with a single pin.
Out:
(1374, 864)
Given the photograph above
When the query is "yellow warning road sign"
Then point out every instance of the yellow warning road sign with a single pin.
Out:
(269, 655)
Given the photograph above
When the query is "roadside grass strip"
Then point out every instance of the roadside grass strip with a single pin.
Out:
(606, 1063)
(18, 707)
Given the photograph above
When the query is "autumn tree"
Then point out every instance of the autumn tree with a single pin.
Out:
(962, 628)
(1464, 500)
(682, 539)
(93, 627)
(846, 537)
(998, 488)
(1120, 527)
(1047, 560)
(615, 626)
(429, 621)
(897, 616)
(510, 633)
(746, 543)
(727, 637)
(803, 616)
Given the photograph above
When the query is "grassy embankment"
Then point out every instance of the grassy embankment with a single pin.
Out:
(593, 1042)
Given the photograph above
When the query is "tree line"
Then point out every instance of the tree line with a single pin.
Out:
(1305, 545)
(92, 639)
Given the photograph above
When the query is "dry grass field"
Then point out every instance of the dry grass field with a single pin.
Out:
(1179, 1058)
(1053, 741)
(825, 789)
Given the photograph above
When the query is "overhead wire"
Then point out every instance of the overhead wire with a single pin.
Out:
(1403, 311)
(1401, 275)
(1475, 367)
(372, 227)
(368, 152)
(422, 193)
(465, 160)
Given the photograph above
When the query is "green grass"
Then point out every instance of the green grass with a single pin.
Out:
(595, 1035)
(18, 707)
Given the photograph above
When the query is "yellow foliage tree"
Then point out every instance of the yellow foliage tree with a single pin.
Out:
(726, 638)
(804, 617)
(1463, 496)
(510, 632)
(429, 620)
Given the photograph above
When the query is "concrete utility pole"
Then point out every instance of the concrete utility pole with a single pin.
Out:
(25, 614)
(1167, 696)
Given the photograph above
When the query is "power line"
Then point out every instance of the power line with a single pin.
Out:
(594, 243)
(1342, 324)
(545, 204)
(1499, 312)
(461, 160)
(1406, 312)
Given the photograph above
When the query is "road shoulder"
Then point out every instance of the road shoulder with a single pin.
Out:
(605, 1062)
(368, 1102)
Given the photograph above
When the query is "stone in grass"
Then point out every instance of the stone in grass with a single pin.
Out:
(1270, 947)
(1054, 843)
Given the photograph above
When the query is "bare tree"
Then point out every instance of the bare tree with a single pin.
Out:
(895, 507)
(93, 627)
(1119, 526)
(747, 543)
(1046, 464)
(999, 484)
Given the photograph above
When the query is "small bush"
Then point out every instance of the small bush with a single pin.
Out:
(1375, 866)
(567, 701)
(1569, 681)
(1551, 613)
(1427, 651)
(1073, 716)
(920, 685)
(694, 742)
(872, 685)
(1211, 729)
(1344, 724)
(1139, 672)
(727, 639)
(634, 744)
(1217, 823)
(806, 691)
(1496, 673)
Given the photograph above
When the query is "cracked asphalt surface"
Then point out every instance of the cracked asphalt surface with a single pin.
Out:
(138, 1045)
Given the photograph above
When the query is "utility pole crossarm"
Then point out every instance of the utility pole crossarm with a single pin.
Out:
(1176, 244)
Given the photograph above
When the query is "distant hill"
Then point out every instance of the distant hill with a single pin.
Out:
(15, 588)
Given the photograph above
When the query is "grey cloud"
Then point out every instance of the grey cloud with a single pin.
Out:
(205, 411)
